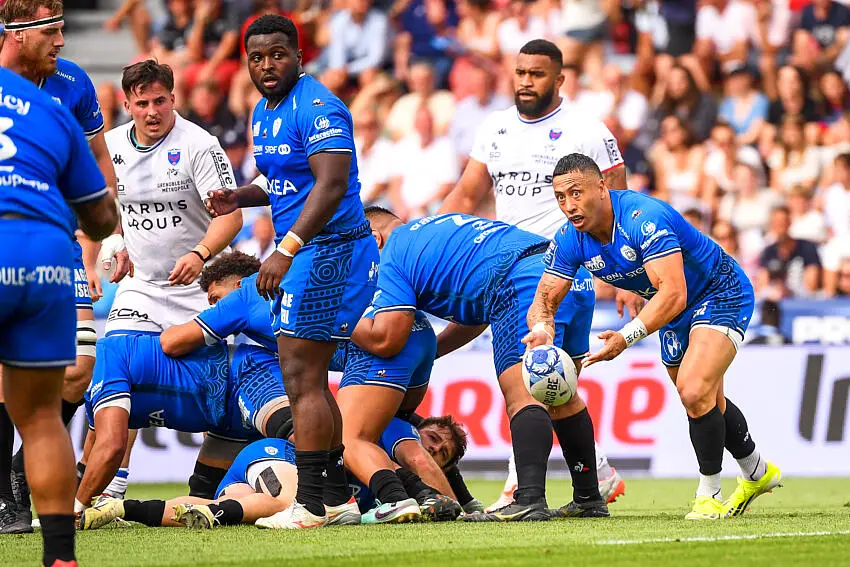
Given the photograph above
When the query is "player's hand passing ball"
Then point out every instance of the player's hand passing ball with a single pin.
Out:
(221, 202)
(187, 268)
(536, 338)
(271, 274)
(615, 343)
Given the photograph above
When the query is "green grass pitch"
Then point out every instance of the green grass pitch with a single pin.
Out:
(647, 529)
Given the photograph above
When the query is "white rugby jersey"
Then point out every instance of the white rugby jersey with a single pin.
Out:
(161, 191)
(520, 156)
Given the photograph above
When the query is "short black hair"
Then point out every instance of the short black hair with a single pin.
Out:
(576, 162)
(544, 47)
(270, 24)
(458, 433)
(235, 264)
(143, 74)
(375, 211)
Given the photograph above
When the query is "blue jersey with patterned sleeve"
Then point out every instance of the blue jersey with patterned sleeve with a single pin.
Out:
(308, 121)
(450, 266)
(645, 229)
(240, 311)
(44, 158)
(71, 87)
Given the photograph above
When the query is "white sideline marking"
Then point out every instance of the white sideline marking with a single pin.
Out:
(718, 538)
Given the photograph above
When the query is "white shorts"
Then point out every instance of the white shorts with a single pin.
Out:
(148, 307)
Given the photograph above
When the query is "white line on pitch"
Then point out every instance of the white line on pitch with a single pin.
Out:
(718, 538)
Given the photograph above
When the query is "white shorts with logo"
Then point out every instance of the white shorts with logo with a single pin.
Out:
(151, 308)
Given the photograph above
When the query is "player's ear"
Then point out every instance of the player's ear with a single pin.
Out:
(379, 238)
(300, 57)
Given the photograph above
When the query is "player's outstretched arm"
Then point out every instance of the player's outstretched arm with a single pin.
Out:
(455, 336)
(386, 334)
(103, 462)
(225, 201)
(667, 275)
(413, 456)
(469, 191)
(179, 340)
(541, 315)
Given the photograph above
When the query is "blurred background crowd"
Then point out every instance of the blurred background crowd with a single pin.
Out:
(736, 112)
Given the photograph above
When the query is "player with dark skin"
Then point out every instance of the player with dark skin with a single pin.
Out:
(275, 67)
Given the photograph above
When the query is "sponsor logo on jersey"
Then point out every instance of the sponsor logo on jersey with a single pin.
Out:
(271, 451)
(318, 102)
(172, 172)
(156, 418)
(151, 216)
(672, 346)
(653, 238)
(57, 100)
(19, 276)
(628, 253)
(256, 129)
(173, 157)
(647, 228)
(284, 149)
(594, 264)
(321, 122)
(15, 180)
(127, 313)
(276, 126)
(222, 166)
(324, 135)
(613, 151)
(66, 76)
(19, 105)
(117, 159)
(555, 133)
(636, 213)
(502, 131)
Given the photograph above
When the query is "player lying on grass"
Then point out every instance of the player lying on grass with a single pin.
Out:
(476, 272)
(234, 393)
(262, 481)
(700, 302)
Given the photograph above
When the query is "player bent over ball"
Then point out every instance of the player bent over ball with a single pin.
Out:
(700, 301)
(235, 394)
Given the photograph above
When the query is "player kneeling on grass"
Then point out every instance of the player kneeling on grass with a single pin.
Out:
(262, 481)
(234, 393)
(700, 302)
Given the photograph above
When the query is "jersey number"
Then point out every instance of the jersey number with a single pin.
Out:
(8, 148)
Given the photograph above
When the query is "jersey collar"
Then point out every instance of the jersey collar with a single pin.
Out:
(542, 118)
(147, 149)
(284, 99)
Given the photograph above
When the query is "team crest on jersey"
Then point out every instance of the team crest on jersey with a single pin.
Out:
(595, 263)
(636, 213)
(271, 451)
(647, 228)
(628, 253)
(276, 126)
(555, 133)
(321, 122)
(173, 157)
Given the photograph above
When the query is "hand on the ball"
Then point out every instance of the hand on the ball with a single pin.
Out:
(614, 345)
(536, 338)
(271, 274)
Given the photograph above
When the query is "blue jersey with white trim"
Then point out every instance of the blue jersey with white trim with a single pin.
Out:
(71, 87)
(449, 266)
(645, 229)
(240, 311)
(308, 121)
(44, 158)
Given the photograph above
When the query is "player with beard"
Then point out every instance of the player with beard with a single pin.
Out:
(34, 40)
(322, 274)
(514, 153)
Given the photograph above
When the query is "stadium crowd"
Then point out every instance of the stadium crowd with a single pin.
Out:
(736, 112)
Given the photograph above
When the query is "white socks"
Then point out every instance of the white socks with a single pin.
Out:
(603, 469)
(709, 486)
(753, 467)
(118, 487)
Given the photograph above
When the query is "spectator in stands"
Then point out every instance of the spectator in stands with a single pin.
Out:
(725, 235)
(358, 45)
(836, 199)
(767, 29)
(666, 31)
(677, 162)
(422, 84)
(424, 169)
(793, 161)
(836, 101)
(428, 30)
(585, 23)
(261, 244)
(374, 157)
(628, 105)
(682, 98)
(724, 152)
(139, 19)
(768, 331)
(744, 107)
(807, 223)
(168, 45)
(842, 288)
(478, 29)
(792, 85)
(575, 96)
(518, 28)
(824, 28)
(721, 38)
(789, 267)
(695, 217)
(212, 46)
(472, 110)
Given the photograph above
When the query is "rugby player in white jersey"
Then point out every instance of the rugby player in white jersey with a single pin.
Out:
(165, 165)
(514, 154)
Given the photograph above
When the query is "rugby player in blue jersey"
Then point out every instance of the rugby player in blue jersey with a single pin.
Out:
(475, 272)
(322, 274)
(45, 165)
(700, 302)
(34, 40)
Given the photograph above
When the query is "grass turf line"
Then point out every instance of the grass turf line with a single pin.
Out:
(650, 510)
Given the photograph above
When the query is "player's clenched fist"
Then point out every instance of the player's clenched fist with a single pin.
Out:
(271, 274)
(221, 202)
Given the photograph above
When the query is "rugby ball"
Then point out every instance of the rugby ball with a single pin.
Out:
(549, 375)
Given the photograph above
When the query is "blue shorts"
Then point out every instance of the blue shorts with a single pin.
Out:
(727, 302)
(256, 452)
(411, 368)
(513, 300)
(328, 287)
(255, 380)
(38, 323)
(81, 280)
